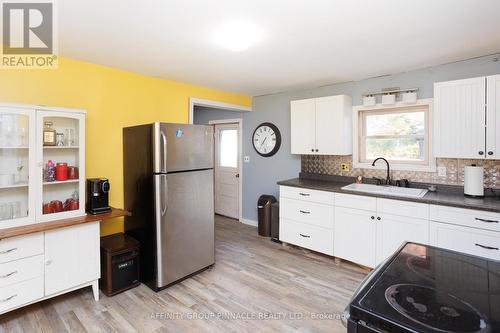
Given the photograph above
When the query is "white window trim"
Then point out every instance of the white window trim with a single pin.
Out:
(431, 167)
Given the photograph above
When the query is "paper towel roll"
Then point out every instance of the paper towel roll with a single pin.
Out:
(473, 181)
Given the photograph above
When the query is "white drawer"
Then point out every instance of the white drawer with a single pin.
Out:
(307, 212)
(21, 270)
(466, 217)
(21, 293)
(355, 201)
(299, 193)
(403, 208)
(467, 240)
(21, 247)
(307, 236)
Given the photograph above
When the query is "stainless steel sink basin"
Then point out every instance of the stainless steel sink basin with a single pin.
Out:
(387, 190)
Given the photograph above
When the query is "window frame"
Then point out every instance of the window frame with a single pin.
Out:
(359, 137)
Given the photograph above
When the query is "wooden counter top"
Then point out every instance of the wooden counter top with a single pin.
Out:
(45, 226)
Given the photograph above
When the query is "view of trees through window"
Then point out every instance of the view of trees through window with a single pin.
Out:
(395, 135)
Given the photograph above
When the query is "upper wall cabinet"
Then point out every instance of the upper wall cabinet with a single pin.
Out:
(322, 126)
(465, 121)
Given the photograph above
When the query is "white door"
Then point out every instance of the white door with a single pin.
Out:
(459, 118)
(227, 164)
(355, 235)
(303, 126)
(493, 118)
(71, 257)
(392, 231)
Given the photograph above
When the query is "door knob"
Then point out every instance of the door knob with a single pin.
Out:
(237, 175)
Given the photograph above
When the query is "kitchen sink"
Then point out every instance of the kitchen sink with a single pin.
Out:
(387, 190)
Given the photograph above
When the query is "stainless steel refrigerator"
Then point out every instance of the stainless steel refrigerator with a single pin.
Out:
(168, 183)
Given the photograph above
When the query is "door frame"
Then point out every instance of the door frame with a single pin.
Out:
(238, 121)
(213, 104)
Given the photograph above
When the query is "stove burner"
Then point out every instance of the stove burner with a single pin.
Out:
(436, 310)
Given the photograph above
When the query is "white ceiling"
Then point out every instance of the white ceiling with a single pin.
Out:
(305, 43)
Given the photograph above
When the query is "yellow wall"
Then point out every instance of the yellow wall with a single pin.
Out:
(113, 99)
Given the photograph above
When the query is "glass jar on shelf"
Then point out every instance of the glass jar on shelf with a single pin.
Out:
(49, 134)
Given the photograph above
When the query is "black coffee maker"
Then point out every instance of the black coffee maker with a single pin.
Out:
(97, 196)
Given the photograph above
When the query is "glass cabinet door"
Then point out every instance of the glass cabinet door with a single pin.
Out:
(61, 162)
(16, 139)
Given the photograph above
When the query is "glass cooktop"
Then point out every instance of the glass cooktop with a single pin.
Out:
(427, 289)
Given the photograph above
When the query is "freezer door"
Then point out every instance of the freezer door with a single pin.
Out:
(185, 224)
(181, 147)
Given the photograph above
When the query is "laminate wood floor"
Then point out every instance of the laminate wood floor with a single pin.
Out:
(255, 286)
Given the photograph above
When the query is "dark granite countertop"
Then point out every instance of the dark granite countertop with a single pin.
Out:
(445, 195)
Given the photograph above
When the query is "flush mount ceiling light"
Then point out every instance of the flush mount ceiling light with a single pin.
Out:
(237, 36)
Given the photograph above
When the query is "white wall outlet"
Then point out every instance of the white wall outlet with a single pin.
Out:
(246, 159)
(441, 171)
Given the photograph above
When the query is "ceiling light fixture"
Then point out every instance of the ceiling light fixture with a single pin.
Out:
(237, 36)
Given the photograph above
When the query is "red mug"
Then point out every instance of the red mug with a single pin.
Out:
(73, 172)
(61, 171)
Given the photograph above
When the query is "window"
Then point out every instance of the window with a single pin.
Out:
(228, 146)
(399, 134)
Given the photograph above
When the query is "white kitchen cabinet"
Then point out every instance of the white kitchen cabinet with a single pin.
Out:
(493, 117)
(355, 236)
(321, 126)
(72, 258)
(465, 118)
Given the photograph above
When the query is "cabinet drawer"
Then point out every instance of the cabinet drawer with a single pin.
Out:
(307, 236)
(21, 247)
(355, 201)
(307, 212)
(20, 293)
(466, 217)
(467, 240)
(403, 208)
(21, 270)
(307, 195)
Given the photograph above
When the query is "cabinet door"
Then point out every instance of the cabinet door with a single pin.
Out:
(333, 125)
(459, 118)
(493, 117)
(70, 149)
(71, 257)
(17, 159)
(392, 231)
(303, 126)
(355, 235)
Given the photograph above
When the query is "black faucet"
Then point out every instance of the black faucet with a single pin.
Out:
(388, 179)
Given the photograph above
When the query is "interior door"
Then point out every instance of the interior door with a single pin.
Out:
(227, 183)
(303, 126)
(493, 118)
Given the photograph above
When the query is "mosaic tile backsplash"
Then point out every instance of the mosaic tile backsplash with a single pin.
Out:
(330, 165)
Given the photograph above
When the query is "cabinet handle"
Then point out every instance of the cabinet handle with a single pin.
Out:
(7, 275)
(8, 298)
(8, 251)
(48, 262)
(378, 218)
(312, 150)
(372, 217)
(487, 221)
(305, 236)
(304, 194)
(490, 153)
(486, 247)
(317, 150)
(481, 152)
(304, 212)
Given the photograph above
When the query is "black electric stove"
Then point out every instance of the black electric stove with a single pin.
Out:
(427, 289)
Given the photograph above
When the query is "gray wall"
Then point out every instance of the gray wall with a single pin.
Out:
(202, 115)
(261, 174)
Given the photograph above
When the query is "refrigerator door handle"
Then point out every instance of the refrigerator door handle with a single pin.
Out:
(164, 195)
(158, 218)
(164, 151)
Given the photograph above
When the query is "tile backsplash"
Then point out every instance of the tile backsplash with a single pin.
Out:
(330, 165)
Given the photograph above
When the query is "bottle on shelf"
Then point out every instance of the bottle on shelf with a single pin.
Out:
(50, 171)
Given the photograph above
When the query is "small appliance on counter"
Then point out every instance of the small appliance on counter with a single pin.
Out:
(119, 264)
(423, 288)
(473, 181)
(98, 196)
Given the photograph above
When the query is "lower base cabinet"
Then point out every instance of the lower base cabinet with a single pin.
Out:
(307, 236)
(355, 235)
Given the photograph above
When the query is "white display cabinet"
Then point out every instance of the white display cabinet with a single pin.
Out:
(27, 195)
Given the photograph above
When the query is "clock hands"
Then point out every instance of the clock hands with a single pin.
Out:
(263, 141)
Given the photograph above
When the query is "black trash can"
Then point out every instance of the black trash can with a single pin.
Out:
(275, 222)
(264, 211)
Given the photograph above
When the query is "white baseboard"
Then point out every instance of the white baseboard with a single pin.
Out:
(249, 222)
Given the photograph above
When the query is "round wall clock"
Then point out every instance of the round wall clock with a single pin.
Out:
(266, 139)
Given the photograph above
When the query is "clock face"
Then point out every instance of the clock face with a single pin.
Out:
(266, 139)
